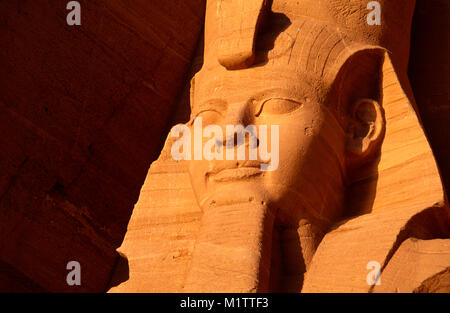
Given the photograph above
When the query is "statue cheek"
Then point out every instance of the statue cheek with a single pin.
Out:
(296, 132)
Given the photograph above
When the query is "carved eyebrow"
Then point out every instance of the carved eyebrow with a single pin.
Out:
(278, 93)
(270, 94)
(216, 104)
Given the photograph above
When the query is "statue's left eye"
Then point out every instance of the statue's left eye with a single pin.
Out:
(278, 106)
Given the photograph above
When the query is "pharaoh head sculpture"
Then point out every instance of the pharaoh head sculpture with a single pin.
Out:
(349, 169)
(318, 86)
(298, 67)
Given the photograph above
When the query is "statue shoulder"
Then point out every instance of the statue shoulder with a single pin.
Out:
(418, 266)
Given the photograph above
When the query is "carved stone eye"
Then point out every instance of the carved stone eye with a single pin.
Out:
(278, 106)
(208, 115)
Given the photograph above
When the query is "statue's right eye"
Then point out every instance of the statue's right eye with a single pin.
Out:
(211, 110)
(208, 115)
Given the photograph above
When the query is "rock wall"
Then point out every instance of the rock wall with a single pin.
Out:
(83, 112)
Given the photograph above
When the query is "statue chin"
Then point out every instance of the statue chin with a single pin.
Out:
(288, 205)
(235, 192)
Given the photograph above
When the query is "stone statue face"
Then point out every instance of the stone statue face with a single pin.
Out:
(288, 85)
(308, 179)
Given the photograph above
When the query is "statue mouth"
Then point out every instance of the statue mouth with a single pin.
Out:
(232, 174)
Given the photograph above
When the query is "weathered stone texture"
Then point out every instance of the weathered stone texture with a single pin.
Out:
(83, 112)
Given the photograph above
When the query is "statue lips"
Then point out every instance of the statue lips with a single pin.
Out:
(237, 173)
(223, 173)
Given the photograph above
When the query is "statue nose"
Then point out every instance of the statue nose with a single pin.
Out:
(238, 129)
(238, 114)
(240, 137)
(230, 141)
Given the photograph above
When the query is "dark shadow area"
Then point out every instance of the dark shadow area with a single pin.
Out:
(360, 194)
(13, 281)
(292, 262)
(429, 74)
(272, 27)
(120, 272)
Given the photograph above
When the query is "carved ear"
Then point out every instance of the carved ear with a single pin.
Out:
(365, 128)
(358, 93)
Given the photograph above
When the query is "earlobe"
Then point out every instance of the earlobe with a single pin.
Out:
(365, 131)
